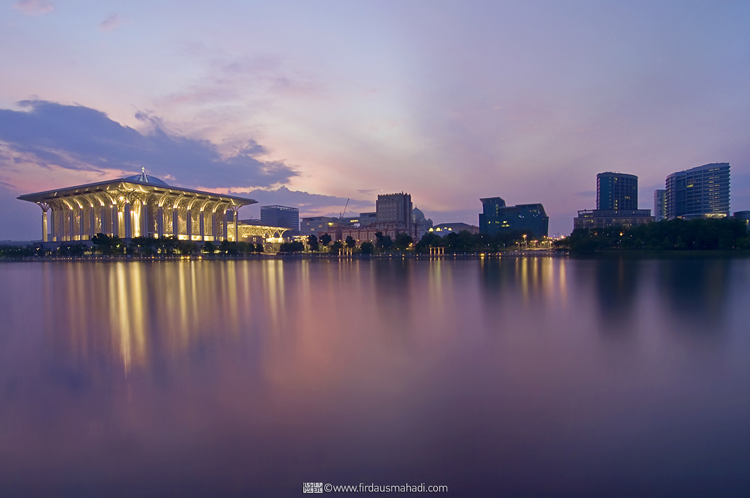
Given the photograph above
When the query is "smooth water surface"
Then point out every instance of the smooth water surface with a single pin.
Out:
(521, 377)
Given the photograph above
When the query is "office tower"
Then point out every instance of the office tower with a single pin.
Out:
(699, 192)
(616, 191)
(280, 216)
(616, 204)
(496, 217)
(660, 205)
(395, 208)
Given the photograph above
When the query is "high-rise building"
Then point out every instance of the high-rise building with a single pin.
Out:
(499, 218)
(660, 205)
(616, 204)
(699, 192)
(280, 216)
(616, 191)
(395, 208)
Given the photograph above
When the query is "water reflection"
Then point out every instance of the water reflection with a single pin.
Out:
(239, 378)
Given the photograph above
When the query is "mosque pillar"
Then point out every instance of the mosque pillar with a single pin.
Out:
(92, 222)
(175, 223)
(226, 226)
(189, 224)
(81, 224)
(160, 222)
(236, 225)
(45, 208)
(201, 219)
(71, 224)
(144, 220)
(115, 220)
(215, 225)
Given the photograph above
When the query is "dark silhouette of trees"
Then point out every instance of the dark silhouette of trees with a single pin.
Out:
(669, 235)
(350, 242)
(312, 241)
(325, 239)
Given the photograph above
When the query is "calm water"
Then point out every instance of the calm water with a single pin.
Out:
(526, 377)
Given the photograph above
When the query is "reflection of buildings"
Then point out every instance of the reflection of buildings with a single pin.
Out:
(136, 206)
(280, 216)
(699, 192)
(616, 204)
(444, 229)
(660, 205)
(499, 218)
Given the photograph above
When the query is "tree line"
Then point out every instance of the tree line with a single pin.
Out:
(454, 242)
(669, 235)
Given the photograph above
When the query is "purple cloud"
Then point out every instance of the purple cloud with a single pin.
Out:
(110, 23)
(80, 138)
(34, 7)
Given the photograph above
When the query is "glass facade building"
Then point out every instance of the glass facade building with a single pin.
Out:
(615, 191)
(496, 217)
(660, 205)
(280, 216)
(699, 192)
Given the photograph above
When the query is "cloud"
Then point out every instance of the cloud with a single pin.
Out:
(80, 138)
(308, 204)
(110, 23)
(34, 7)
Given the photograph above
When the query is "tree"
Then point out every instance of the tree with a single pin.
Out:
(366, 248)
(350, 242)
(384, 242)
(312, 241)
(336, 247)
(403, 241)
(325, 239)
(209, 247)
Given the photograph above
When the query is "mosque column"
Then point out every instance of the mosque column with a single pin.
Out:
(144, 220)
(226, 226)
(128, 227)
(201, 219)
(160, 223)
(92, 222)
(71, 224)
(81, 224)
(189, 224)
(236, 225)
(175, 223)
(45, 208)
(115, 221)
(215, 225)
(52, 223)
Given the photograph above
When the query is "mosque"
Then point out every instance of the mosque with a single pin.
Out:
(138, 206)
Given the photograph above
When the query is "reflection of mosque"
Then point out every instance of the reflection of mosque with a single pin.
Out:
(137, 314)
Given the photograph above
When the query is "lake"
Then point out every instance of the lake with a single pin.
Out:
(514, 377)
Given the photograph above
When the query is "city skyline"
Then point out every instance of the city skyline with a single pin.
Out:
(299, 106)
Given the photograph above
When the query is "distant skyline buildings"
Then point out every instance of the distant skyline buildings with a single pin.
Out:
(615, 191)
(660, 205)
(280, 216)
(496, 217)
(266, 107)
(699, 192)
(616, 204)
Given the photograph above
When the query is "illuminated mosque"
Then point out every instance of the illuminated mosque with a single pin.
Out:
(143, 206)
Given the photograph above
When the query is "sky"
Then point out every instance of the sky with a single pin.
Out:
(309, 104)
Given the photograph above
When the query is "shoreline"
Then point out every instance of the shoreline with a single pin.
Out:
(457, 256)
